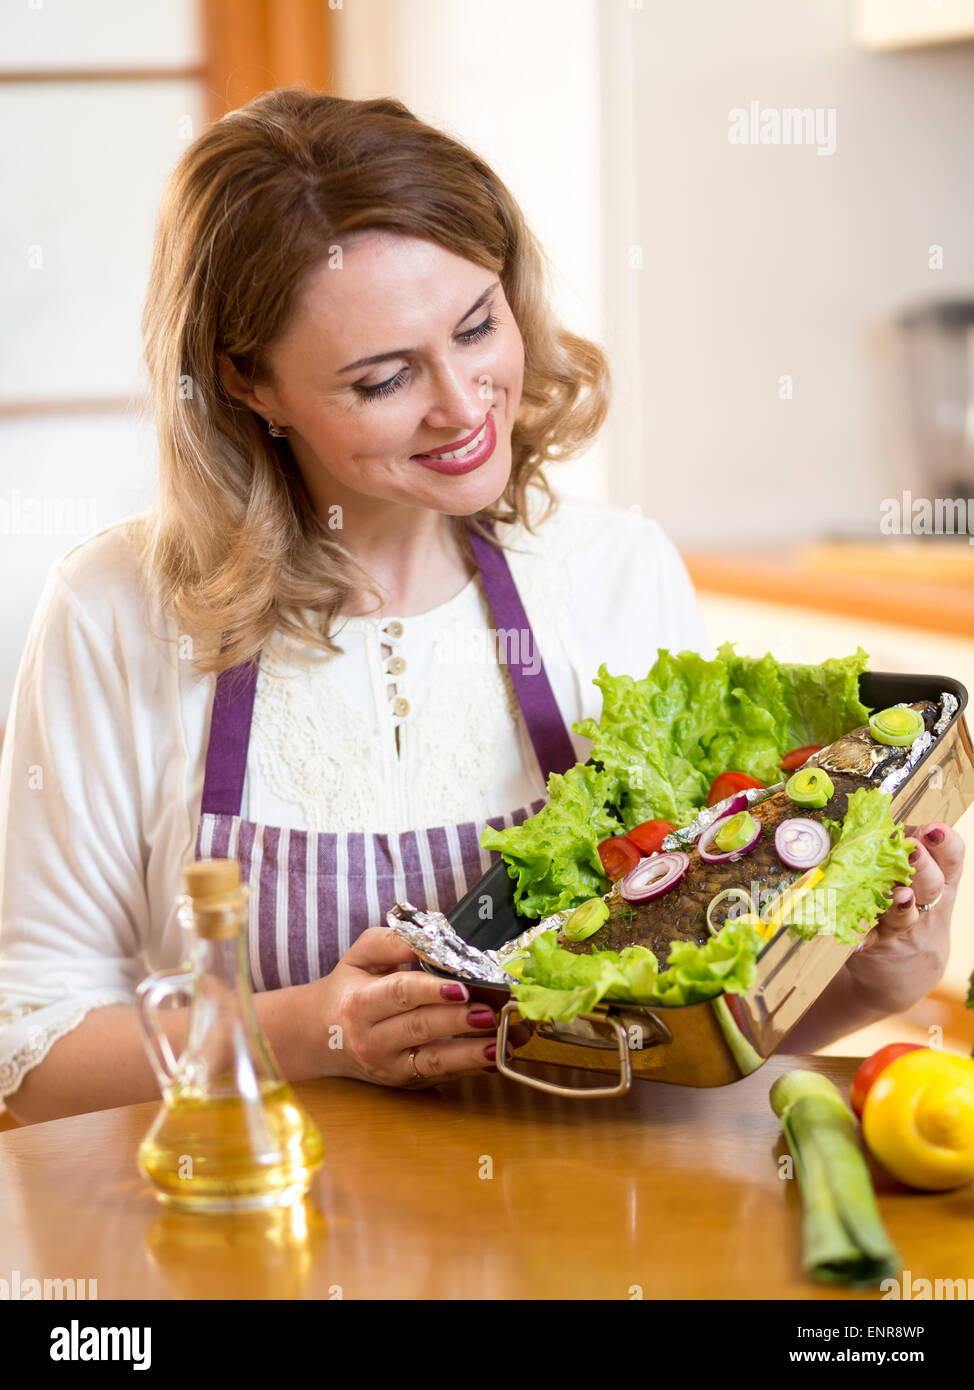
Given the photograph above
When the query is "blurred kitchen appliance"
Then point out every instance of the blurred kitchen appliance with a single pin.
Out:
(938, 344)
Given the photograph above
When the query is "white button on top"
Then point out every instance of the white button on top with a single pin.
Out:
(393, 629)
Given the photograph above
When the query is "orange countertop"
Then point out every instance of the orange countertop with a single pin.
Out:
(908, 583)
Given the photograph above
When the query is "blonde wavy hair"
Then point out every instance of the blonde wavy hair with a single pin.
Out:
(251, 209)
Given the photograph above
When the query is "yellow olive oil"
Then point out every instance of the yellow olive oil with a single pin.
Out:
(231, 1135)
(212, 1152)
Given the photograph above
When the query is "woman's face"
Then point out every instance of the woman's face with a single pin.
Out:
(449, 368)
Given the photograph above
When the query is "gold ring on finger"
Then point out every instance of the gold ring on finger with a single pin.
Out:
(412, 1064)
(925, 907)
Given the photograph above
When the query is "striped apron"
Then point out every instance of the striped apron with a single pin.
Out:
(311, 891)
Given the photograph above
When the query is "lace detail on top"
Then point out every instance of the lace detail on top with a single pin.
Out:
(319, 751)
(459, 738)
(315, 747)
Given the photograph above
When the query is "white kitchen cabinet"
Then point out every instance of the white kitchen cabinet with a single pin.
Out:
(887, 24)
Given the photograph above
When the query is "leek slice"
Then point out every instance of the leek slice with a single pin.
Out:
(811, 787)
(897, 726)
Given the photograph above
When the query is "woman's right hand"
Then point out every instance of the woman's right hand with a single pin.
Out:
(383, 1011)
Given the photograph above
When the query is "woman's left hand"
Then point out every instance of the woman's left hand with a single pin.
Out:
(905, 954)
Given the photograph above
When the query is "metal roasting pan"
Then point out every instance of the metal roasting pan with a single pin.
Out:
(723, 1039)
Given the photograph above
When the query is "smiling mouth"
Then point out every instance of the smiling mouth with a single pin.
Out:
(473, 454)
(460, 450)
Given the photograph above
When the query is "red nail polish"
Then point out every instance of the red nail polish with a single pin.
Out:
(934, 837)
(456, 993)
(481, 1018)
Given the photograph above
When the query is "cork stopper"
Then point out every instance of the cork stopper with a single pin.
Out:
(217, 897)
(208, 877)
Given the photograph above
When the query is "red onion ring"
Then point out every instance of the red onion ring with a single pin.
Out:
(733, 804)
(654, 876)
(714, 856)
(802, 843)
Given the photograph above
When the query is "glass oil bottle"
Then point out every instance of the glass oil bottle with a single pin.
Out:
(230, 1135)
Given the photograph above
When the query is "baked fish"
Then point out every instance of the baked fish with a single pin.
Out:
(854, 761)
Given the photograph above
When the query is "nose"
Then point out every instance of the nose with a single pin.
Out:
(456, 403)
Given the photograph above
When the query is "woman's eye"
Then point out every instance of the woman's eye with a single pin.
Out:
(481, 331)
(387, 388)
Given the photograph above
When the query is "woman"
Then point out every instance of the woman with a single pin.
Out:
(351, 357)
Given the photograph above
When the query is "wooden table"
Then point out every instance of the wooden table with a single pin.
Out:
(481, 1190)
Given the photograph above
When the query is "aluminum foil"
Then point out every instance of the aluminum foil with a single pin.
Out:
(436, 942)
(886, 766)
(552, 923)
(947, 707)
(687, 835)
(859, 754)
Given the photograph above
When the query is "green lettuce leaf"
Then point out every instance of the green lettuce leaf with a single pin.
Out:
(665, 738)
(822, 699)
(869, 858)
(553, 856)
(658, 745)
(558, 984)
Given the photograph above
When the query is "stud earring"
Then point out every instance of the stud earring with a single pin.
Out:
(278, 431)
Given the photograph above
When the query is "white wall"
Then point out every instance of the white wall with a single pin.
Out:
(760, 261)
(519, 82)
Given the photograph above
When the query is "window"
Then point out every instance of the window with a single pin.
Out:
(98, 99)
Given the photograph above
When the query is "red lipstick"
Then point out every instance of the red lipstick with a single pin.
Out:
(469, 462)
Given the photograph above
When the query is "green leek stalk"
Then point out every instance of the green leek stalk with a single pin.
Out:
(746, 1056)
(845, 1241)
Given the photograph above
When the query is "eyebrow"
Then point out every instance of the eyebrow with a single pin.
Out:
(405, 352)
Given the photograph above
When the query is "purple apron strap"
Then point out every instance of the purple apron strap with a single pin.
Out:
(233, 703)
(226, 754)
(546, 728)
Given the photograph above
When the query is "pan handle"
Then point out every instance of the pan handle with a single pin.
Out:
(576, 1092)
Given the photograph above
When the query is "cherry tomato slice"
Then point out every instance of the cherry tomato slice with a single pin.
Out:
(649, 836)
(618, 855)
(792, 761)
(729, 784)
(870, 1069)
